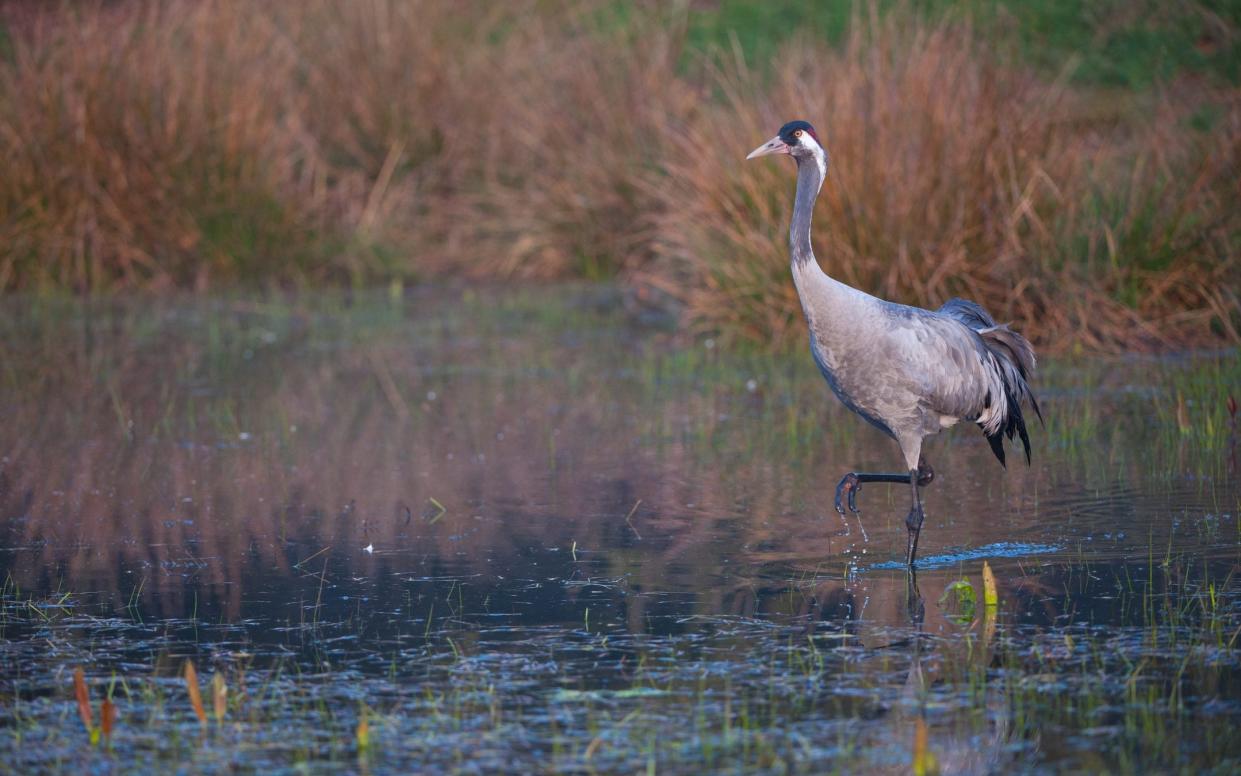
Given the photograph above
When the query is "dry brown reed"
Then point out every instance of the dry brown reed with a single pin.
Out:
(952, 175)
(82, 694)
(164, 143)
(196, 697)
(141, 147)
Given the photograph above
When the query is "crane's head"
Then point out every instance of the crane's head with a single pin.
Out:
(797, 139)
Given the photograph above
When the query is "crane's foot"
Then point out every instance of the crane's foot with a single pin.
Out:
(849, 485)
(913, 521)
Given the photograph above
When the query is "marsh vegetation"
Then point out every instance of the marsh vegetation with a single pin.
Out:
(1082, 155)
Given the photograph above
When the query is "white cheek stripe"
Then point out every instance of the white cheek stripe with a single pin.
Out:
(820, 156)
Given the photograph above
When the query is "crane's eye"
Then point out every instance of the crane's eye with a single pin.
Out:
(798, 133)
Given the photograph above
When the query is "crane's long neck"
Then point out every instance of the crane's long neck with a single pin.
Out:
(832, 308)
(810, 173)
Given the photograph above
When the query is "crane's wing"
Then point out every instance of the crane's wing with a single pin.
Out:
(970, 313)
(1014, 347)
(978, 370)
(954, 371)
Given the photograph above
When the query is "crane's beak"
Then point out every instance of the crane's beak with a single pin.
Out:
(773, 146)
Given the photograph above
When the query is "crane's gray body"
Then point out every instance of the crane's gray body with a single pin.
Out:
(908, 371)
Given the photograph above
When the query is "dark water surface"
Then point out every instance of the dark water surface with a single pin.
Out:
(528, 532)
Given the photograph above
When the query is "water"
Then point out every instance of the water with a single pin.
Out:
(530, 531)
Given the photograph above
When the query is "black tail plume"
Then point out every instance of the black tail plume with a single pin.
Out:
(1013, 359)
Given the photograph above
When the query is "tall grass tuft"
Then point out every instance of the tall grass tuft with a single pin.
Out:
(953, 175)
(166, 143)
(146, 146)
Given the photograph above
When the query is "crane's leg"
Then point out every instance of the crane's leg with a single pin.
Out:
(851, 483)
(919, 476)
(913, 521)
(911, 447)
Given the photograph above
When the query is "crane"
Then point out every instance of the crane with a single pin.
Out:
(907, 371)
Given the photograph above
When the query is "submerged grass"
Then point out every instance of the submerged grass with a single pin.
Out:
(1145, 682)
(163, 143)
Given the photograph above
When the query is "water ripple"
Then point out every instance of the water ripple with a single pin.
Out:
(996, 550)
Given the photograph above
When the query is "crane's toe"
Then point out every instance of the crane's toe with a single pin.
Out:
(847, 490)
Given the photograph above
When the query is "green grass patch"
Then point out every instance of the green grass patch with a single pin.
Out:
(1111, 44)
